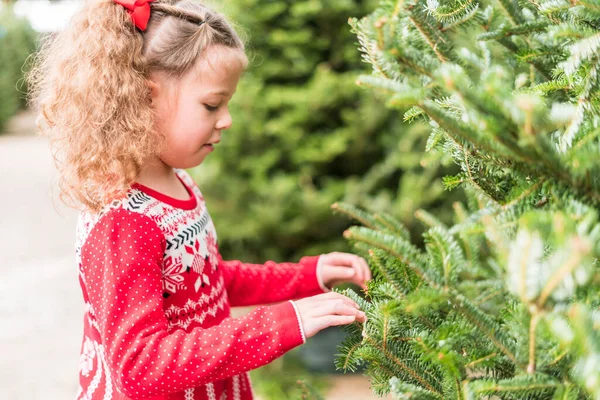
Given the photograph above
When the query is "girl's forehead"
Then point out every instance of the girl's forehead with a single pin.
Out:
(221, 66)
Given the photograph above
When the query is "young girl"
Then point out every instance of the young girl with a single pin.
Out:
(131, 94)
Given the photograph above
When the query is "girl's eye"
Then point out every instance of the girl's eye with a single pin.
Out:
(211, 108)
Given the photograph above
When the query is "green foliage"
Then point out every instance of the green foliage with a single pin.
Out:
(305, 136)
(442, 325)
(503, 303)
(287, 378)
(309, 392)
(17, 42)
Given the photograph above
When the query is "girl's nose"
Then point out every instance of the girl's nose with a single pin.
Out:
(225, 121)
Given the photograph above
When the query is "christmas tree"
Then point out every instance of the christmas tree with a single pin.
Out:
(503, 303)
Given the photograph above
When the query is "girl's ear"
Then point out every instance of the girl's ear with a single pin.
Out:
(154, 88)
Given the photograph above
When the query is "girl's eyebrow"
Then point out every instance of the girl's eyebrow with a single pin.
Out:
(222, 92)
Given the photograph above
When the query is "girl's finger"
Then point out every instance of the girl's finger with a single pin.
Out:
(333, 295)
(361, 317)
(334, 307)
(366, 271)
(336, 320)
(368, 274)
(343, 273)
(337, 258)
(360, 272)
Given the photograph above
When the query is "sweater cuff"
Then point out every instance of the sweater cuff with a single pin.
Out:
(299, 321)
(312, 268)
(289, 325)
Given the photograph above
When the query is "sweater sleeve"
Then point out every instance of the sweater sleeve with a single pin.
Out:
(121, 262)
(252, 284)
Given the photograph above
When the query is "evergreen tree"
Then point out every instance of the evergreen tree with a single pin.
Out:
(503, 303)
(17, 41)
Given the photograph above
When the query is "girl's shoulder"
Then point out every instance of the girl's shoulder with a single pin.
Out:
(88, 220)
(137, 203)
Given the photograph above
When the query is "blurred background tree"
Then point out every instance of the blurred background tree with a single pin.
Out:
(17, 41)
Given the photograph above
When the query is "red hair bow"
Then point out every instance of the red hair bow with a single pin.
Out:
(139, 11)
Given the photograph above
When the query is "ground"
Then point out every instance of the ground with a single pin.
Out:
(40, 302)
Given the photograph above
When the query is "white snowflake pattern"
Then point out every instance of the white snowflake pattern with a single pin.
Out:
(86, 360)
(213, 250)
(192, 257)
(172, 275)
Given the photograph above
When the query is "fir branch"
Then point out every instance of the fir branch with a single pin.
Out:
(463, 20)
(584, 141)
(581, 51)
(480, 360)
(522, 196)
(552, 166)
(490, 296)
(554, 7)
(412, 259)
(519, 30)
(431, 35)
(422, 380)
(540, 67)
(371, 54)
(347, 353)
(571, 130)
(511, 9)
(388, 278)
(447, 12)
(533, 322)
(528, 385)
(406, 391)
(355, 213)
(556, 360)
(483, 322)
(378, 222)
(392, 225)
(399, 248)
(577, 254)
(412, 114)
(403, 58)
(458, 129)
(560, 84)
(509, 151)
(588, 4)
(429, 219)
(452, 15)
(439, 242)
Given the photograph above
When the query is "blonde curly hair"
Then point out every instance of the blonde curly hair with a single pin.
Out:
(89, 84)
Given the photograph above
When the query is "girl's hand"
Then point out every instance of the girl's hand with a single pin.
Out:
(325, 310)
(336, 268)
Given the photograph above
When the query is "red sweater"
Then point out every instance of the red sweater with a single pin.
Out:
(158, 295)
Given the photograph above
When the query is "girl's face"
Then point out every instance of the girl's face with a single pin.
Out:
(193, 112)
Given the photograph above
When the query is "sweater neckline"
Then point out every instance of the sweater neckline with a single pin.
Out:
(188, 204)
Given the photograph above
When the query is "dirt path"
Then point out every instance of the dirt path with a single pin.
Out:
(40, 305)
(40, 301)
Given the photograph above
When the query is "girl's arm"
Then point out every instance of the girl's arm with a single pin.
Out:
(121, 270)
(251, 284)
